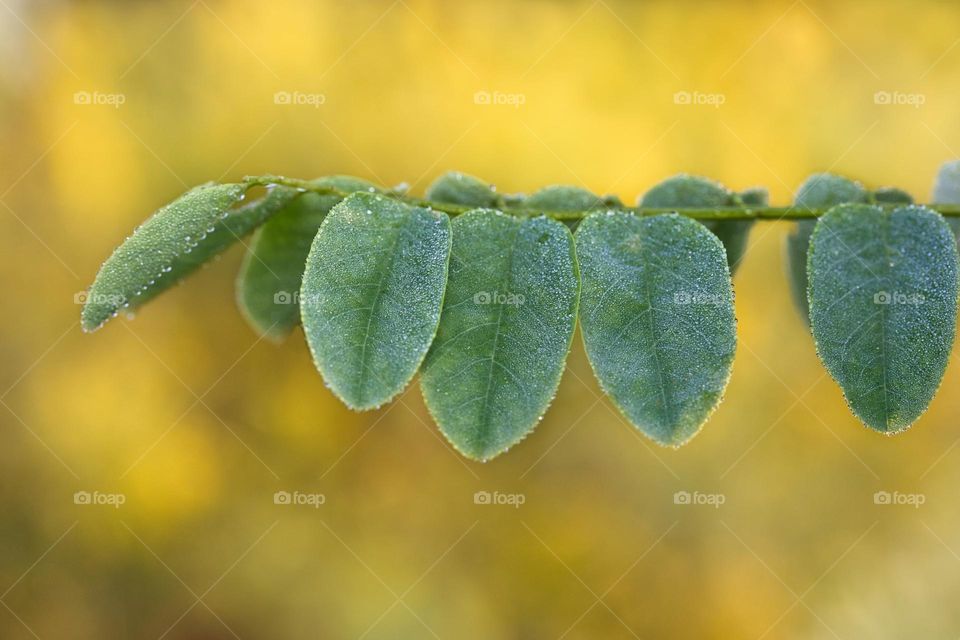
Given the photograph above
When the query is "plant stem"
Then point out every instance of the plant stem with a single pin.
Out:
(717, 213)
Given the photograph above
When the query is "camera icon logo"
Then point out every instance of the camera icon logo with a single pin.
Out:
(283, 297)
(881, 297)
(80, 297)
(482, 297)
(681, 497)
(82, 97)
(682, 97)
(882, 97)
(882, 497)
(82, 497)
(482, 497)
(482, 97)
(282, 97)
(281, 497)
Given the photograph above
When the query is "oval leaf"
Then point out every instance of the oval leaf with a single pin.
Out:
(371, 295)
(505, 332)
(568, 198)
(459, 188)
(685, 192)
(883, 302)
(946, 190)
(268, 286)
(892, 195)
(173, 243)
(819, 190)
(657, 319)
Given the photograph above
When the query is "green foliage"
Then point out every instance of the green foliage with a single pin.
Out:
(568, 198)
(371, 295)
(505, 332)
(883, 304)
(268, 285)
(365, 271)
(892, 195)
(657, 319)
(172, 243)
(819, 190)
(687, 192)
(946, 187)
(459, 188)
(946, 190)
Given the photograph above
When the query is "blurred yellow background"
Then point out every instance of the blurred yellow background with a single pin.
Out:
(197, 424)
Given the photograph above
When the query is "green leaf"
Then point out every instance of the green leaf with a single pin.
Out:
(819, 190)
(755, 197)
(347, 184)
(268, 285)
(459, 188)
(892, 195)
(568, 198)
(686, 192)
(883, 304)
(946, 190)
(657, 319)
(505, 332)
(173, 243)
(371, 295)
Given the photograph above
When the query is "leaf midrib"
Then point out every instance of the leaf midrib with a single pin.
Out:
(362, 379)
(887, 219)
(485, 432)
(653, 332)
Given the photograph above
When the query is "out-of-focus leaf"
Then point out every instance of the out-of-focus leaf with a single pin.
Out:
(819, 190)
(505, 332)
(268, 286)
(755, 197)
(946, 190)
(459, 188)
(883, 306)
(657, 319)
(371, 295)
(560, 198)
(892, 195)
(173, 243)
(686, 192)
(568, 198)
